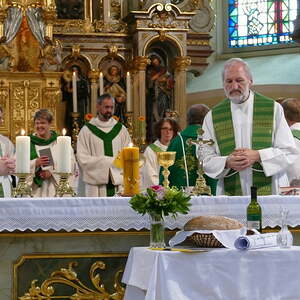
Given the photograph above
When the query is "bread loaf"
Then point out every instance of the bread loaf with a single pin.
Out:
(212, 223)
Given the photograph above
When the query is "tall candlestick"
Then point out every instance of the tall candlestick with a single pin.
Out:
(128, 91)
(74, 89)
(101, 85)
(131, 176)
(64, 153)
(23, 153)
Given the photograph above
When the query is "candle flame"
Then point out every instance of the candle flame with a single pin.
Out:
(74, 73)
(22, 132)
(101, 74)
(64, 131)
(130, 144)
(128, 73)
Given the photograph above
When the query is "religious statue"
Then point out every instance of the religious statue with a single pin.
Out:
(115, 85)
(160, 86)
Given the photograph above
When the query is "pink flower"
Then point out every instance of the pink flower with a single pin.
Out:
(157, 188)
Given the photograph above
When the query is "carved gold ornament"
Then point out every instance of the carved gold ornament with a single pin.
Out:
(68, 277)
(182, 63)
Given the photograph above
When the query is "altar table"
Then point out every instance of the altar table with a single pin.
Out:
(219, 274)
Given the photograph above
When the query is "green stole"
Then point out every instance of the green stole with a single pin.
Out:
(262, 129)
(296, 133)
(1, 185)
(34, 140)
(107, 139)
(155, 148)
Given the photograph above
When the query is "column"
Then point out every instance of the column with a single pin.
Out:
(94, 76)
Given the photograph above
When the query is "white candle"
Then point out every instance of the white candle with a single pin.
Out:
(74, 89)
(128, 90)
(64, 153)
(101, 85)
(23, 153)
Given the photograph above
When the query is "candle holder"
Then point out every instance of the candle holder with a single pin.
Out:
(22, 189)
(166, 160)
(201, 188)
(63, 187)
(75, 128)
(129, 125)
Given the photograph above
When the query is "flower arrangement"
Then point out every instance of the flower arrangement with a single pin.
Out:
(161, 201)
(88, 117)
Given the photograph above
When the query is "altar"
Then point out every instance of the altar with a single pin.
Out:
(77, 244)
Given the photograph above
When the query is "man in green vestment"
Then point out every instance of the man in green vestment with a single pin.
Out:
(184, 171)
(98, 144)
(291, 107)
(252, 142)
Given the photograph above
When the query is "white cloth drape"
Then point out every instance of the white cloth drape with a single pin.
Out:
(36, 23)
(12, 23)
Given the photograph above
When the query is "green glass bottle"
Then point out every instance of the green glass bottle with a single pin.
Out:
(254, 212)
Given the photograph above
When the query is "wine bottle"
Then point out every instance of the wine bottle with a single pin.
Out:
(254, 212)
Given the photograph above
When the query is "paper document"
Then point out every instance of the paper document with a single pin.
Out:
(256, 241)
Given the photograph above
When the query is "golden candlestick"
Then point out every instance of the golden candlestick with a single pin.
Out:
(63, 188)
(22, 189)
(166, 160)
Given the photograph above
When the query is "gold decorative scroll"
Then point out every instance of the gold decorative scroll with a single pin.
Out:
(182, 63)
(68, 277)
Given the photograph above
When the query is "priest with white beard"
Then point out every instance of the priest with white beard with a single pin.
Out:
(253, 145)
(98, 144)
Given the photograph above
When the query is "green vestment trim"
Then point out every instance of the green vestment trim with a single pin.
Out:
(296, 133)
(34, 140)
(177, 175)
(107, 139)
(262, 129)
(155, 148)
(1, 185)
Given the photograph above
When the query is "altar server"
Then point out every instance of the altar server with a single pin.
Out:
(7, 163)
(253, 144)
(291, 107)
(43, 155)
(99, 142)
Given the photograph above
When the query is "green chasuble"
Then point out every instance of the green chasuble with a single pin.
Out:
(177, 175)
(34, 140)
(262, 129)
(296, 133)
(107, 139)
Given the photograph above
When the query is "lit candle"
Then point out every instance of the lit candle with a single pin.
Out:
(101, 85)
(128, 91)
(131, 176)
(64, 153)
(74, 89)
(22, 153)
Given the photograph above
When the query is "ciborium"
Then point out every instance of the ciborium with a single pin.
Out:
(166, 160)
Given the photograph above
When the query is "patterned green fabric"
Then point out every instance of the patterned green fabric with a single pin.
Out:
(34, 140)
(107, 139)
(296, 133)
(177, 175)
(262, 129)
(155, 148)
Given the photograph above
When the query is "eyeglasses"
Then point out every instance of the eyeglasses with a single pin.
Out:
(167, 128)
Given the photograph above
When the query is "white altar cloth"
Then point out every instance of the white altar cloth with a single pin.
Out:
(115, 213)
(219, 274)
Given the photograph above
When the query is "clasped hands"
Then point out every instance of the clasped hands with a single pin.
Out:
(242, 158)
(7, 165)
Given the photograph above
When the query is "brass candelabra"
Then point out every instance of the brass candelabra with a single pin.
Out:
(63, 188)
(22, 189)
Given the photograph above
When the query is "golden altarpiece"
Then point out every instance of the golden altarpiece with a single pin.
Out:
(94, 35)
(41, 42)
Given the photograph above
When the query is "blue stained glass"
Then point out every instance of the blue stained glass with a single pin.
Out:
(260, 22)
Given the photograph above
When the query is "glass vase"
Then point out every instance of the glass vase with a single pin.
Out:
(284, 236)
(157, 231)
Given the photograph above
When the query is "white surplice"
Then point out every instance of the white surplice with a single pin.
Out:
(293, 172)
(7, 149)
(150, 172)
(96, 166)
(274, 160)
(48, 186)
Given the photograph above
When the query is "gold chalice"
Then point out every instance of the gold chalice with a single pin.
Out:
(166, 159)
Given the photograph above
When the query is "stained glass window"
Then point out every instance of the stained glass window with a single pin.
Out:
(260, 22)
